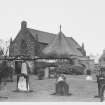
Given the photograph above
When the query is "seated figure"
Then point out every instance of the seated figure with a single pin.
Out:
(62, 87)
(89, 77)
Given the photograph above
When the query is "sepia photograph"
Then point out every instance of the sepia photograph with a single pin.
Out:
(52, 51)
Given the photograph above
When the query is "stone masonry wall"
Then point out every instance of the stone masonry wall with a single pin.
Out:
(29, 41)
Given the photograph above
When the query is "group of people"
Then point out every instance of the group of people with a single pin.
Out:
(61, 88)
(22, 70)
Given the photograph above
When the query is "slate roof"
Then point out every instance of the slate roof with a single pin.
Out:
(46, 37)
(61, 46)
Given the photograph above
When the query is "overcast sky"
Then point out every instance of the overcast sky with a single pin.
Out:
(84, 20)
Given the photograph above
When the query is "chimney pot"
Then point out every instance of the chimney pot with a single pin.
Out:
(23, 25)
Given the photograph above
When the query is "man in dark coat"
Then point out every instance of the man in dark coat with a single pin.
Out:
(18, 64)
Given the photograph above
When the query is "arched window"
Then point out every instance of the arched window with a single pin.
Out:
(23, 44)
(23, 47)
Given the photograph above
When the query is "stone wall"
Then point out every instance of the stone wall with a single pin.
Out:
(23, 44)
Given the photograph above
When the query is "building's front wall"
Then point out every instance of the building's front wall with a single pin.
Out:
(31, 45)
(24, 44)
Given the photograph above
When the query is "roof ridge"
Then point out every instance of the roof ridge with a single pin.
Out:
(49, 32)
(40, 31)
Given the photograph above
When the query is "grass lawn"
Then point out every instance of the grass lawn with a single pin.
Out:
(81, 89)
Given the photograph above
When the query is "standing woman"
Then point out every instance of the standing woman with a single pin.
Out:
(23, 84)
(25, 72)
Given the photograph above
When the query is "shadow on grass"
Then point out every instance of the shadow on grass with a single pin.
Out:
(18, 91)
(69, 94)
(1, 97)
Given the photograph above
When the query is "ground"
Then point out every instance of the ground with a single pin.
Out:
(81, 89)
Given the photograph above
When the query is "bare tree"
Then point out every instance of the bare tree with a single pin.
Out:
(4, 48)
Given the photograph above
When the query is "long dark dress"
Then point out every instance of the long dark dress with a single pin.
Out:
(18, 67)
(62, 88)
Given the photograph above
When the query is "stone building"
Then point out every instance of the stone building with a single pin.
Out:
(31, 42)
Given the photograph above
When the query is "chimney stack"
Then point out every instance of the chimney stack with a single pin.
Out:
(83, 50)
(23, 25)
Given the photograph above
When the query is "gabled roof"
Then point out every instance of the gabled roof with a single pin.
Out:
(102, 57)
(43, 37)
(61, 46)
(46, 37)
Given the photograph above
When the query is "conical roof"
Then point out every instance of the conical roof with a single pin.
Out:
(60, 47)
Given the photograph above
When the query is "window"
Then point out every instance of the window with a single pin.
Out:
(23, 44)
(23, 47)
